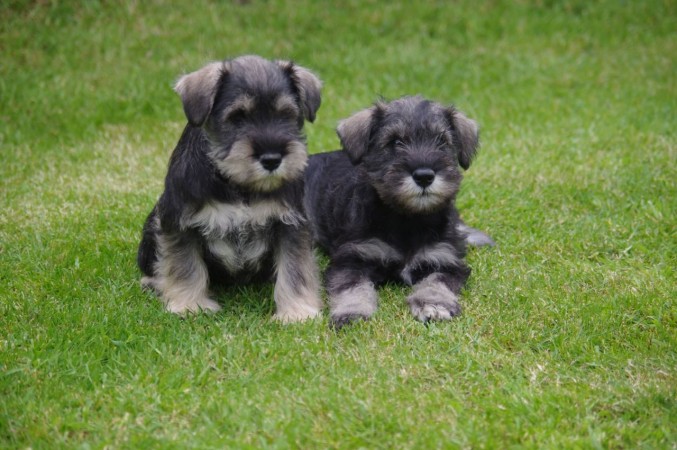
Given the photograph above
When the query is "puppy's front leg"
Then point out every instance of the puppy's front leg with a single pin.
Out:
(352, 295)
(296, 285)
(181, 275)
(355, 267)
(433, 298)
(438, 275)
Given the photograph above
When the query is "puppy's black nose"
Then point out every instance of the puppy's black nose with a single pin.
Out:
(270, 161)
(423, 177)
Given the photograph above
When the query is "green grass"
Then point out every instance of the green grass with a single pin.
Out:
(569, 333)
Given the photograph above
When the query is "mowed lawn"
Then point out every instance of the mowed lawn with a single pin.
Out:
(569, 333)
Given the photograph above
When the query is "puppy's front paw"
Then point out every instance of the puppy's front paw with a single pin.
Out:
(296, 315)
(355, 303)
(434, 303)
(205, 305)
(150, 284)
(429, 313)
(341, 320)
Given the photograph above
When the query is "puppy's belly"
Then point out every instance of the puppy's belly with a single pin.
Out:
(244, 251)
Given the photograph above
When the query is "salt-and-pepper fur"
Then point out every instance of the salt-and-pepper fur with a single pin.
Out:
(383, 208)
(232, 208)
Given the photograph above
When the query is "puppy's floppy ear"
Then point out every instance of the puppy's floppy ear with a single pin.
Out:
(198, 90)
(308, 86)
(354, 133)
(466, 134)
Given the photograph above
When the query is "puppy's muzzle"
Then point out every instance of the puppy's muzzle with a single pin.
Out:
(270, 161)
(423, 177)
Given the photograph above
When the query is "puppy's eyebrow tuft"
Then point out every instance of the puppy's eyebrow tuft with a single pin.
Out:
(243, 103)
(286, 103)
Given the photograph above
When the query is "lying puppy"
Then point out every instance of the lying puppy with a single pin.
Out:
(232, 208)
(383, 208)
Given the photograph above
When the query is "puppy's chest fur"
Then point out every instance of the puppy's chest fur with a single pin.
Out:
(239, 235)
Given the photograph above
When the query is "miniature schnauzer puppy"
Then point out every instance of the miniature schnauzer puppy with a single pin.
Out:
(232, 208)
(383, 208)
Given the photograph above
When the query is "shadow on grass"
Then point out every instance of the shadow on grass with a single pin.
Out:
(240, 300)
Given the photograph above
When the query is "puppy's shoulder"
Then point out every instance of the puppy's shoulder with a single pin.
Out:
(191, 179)
(189, 157)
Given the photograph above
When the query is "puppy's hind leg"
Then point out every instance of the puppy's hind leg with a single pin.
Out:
(181, 275)
(296, 285)
(474, 237)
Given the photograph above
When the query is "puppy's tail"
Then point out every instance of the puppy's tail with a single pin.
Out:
(147, 256)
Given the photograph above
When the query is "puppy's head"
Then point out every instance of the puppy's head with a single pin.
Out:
(252, 111)
(411, 150)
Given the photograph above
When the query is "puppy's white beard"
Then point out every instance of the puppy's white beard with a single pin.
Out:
(265, 180)
(417, 199)
(241, 167)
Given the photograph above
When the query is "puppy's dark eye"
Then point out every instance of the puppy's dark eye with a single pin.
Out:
(441, 140)
(287, 113)
(397, 142)
(237, 116)
(287, 116)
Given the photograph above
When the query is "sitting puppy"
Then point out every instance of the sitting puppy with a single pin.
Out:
(383, 208)
(232, 207)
